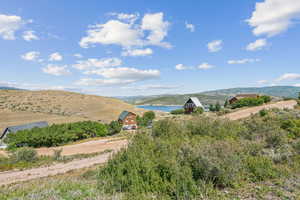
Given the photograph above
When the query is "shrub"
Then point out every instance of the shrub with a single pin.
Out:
(177, 112)
(199, 111)
(266, 99)
(147, 118)
(248, 102)
(260, 168)
(55, 135)
(276, 139)
(24, 154)
(57, 154)
(263, 112)
(114, 127)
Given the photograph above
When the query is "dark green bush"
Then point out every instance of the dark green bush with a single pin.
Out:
(266, 99)
(247, 102)
(177, 112)
(263, 112)
(114, 127)
(146, 119)
(56, 135)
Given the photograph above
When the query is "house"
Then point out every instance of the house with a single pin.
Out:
(234, 99)
(128, 120)
(191, 105)
(14, 129)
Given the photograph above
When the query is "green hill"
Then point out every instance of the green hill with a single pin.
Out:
(211, 97)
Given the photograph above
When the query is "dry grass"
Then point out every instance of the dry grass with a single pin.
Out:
(18, 107)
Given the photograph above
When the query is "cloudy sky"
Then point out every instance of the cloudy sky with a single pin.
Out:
(141, 47)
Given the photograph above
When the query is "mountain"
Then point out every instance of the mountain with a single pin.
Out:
(21, 106)
(8, 88)
(211, 97)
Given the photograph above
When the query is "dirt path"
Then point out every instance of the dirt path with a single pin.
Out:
(249, 111)
(60, 168)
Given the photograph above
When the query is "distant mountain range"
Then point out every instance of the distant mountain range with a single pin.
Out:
(8, 88)
(211, 97)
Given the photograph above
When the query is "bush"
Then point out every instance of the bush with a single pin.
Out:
(114, 127)
(177, 112)
(24, 155)
(146, 119)
(263, 112)
(248, 102)
(56, 134)
(266, 99)
(199, 111)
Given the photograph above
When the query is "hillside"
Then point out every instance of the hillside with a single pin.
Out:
(211, 97)
(8, 88)
(18, 106)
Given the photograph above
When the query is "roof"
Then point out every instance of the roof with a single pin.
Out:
(124, 114)
(196, 101)
(14, 129)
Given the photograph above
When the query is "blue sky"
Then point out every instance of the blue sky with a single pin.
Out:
(123, 48)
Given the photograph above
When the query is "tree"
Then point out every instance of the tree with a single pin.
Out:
(212, 108)
(217, 107)
(114, 127)
(226, 103)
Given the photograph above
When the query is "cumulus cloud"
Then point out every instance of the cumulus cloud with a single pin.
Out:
(56, 70)
(272, 17)
(137, 52)
(215, 46)
(55, 57)
(9, 24)
(151, 31)
(205, 66)
(118, 76)
(289, 77)
(190, 27)
(97, 63)
(257, 45)
(181, 67)
(242, 61)
(30, 35)
(31, 56)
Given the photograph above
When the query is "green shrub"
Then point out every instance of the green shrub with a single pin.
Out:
(247, 102)
(114, 127)
(260, 168)
(198, 111)
(266, 99)
(24, 155)
(263, 112)
(276, 139)
(177, 112)
(147, 118)
(56, 135)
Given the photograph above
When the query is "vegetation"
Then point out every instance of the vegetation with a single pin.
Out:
(180, 160)
(177, 112)
(215, 108)
(56, 135)
(146, 119)
(245, 102)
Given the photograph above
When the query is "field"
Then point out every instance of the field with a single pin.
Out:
(19, 107)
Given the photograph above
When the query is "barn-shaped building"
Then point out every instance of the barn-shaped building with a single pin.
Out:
(128, 120)
(192, 104)
(14, 129)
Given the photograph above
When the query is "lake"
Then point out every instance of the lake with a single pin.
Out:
(160, 108)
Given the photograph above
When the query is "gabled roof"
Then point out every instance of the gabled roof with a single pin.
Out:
(14, 129)
(124, 114)
(196, 101)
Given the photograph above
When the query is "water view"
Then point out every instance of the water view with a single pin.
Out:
(159, 108)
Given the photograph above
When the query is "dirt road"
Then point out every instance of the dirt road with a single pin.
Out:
(60, 168)
(249, 111)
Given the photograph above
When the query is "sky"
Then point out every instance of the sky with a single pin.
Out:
(143, 47)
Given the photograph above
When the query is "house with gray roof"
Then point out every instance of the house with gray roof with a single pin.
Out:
(192, 104)
(128, 120)
(14, 129)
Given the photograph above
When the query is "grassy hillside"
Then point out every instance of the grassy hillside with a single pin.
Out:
(202, 158)
(211, 97)
(19, 106)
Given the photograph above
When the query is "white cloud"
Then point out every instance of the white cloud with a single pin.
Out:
(243, 61)
(205, 66)
(97, 63)
(273, 17)
(126, 73)
(126, 17)
(190, 27)
(257, 45)
(181, 67)
(118, 76)
(261, 82)
(289, 77)
(9, 24)
(56, 70)
(152, 31)
(31, 56)
(55, 57)
(297, 85)
(215, 46)
(137, 52)
(77, 55)
(30, 35)
(158, 29)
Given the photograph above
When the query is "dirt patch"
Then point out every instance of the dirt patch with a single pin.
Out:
(25, 175)
(251, 111)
